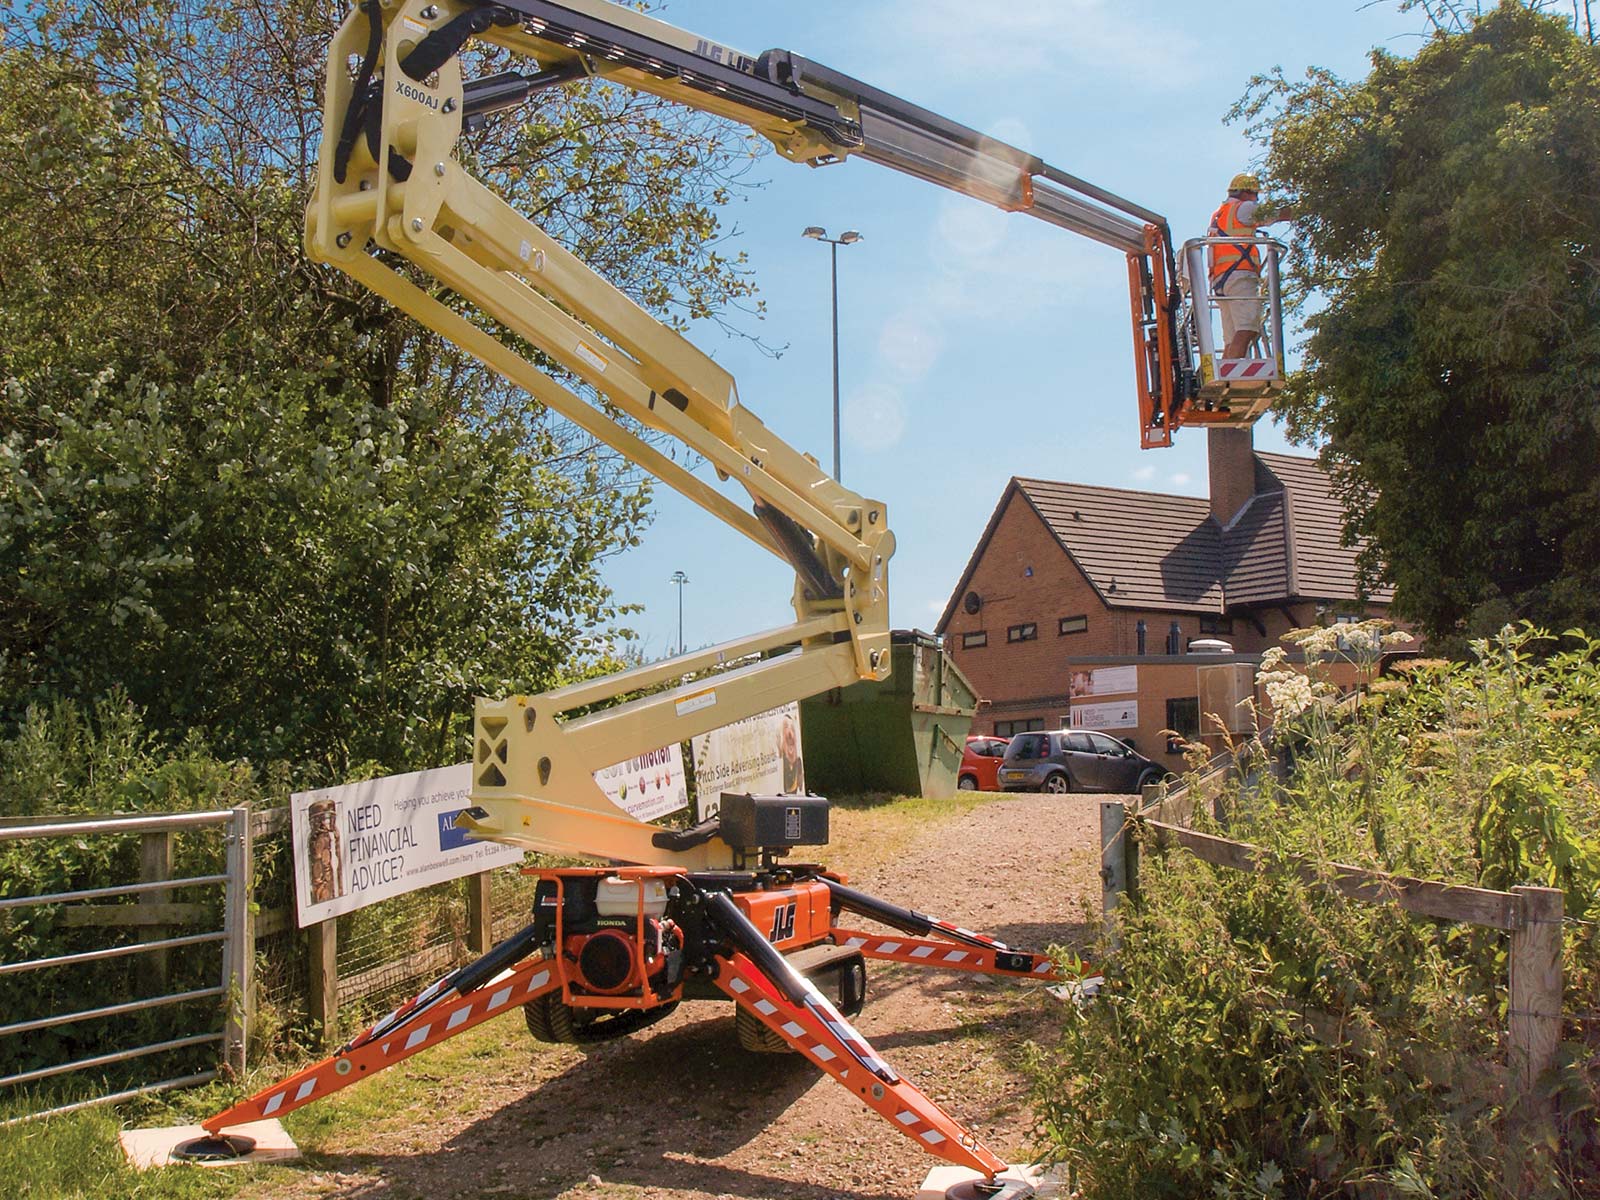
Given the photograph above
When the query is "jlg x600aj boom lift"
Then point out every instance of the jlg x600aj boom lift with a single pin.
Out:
(710, 911)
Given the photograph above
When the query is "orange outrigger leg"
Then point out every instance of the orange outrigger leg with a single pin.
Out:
(740, 961)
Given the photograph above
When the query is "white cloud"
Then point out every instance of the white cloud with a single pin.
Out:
(908, 344)
(991, 276)
(968, 230)
(986, 268)
(1181, 479)
(1143, 474)
(955, 38)
(875, 416)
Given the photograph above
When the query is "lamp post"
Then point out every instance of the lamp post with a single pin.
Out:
(679, 578)
(818, 234)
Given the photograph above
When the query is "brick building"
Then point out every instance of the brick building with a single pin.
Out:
(1080, 604)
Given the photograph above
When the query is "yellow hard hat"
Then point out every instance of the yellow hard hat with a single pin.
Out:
(1244, 182)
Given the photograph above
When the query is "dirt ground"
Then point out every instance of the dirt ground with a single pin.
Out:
(680, 1112)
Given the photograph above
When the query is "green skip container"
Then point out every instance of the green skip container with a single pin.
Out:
(903, 735)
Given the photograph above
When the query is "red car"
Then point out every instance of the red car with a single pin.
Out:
(980, 761)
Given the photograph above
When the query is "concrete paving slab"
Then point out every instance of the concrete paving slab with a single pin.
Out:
(147, 1148)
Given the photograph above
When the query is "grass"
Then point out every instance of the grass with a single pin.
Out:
(77, 1157)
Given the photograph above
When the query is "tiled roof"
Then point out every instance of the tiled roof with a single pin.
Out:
(1152, 550)
(1321, 567)
(1139, 549)
(1256, 551)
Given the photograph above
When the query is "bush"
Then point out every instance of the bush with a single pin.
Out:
(1260, 1036)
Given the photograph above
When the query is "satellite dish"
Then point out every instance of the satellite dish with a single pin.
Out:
(972, 602)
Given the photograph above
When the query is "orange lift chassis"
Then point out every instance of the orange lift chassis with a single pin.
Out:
(709, 912)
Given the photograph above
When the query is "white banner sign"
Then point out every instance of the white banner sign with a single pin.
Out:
(363, 842)
(1105, 681)
(1123, 714)
(759, 754)
(649, 786)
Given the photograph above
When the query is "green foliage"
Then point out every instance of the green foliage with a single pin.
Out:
(1198, 1071)
(238, 487)
(1449, 266)
(1260, 1036)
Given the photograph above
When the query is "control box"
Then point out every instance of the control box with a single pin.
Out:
(773, 822)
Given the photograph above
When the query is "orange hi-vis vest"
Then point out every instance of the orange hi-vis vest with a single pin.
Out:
(1225, 260)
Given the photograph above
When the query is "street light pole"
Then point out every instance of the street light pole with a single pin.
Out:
(817, 234)
(833, 253)
(679, 578)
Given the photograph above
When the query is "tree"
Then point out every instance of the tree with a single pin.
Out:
(236, 486)
(1449, 268)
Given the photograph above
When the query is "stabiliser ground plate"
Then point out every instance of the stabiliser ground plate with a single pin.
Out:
(214, 1149)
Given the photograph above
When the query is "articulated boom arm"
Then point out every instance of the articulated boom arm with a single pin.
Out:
(395, 105)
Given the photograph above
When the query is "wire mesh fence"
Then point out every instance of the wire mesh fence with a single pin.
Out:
(282, 974)
(385, 952)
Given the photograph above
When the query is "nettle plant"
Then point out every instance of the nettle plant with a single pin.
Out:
(1258, 1035)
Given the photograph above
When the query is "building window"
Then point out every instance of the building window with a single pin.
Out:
(1022, 633)
(1183, 722)
(1007, 729)
(1216, 624)
(971, 641)
(1175, 639)
(1076, 624)
(1142, 630)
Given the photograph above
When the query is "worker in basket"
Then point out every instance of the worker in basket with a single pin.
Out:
(1235, 271)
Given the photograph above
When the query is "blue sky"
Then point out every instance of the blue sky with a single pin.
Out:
(974, 345)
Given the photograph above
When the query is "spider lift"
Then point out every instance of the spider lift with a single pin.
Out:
(710, 911)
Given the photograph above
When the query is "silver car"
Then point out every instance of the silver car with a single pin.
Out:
(1074, 760)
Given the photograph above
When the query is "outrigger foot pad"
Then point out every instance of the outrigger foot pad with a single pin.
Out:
(1021, 1182)
(1005, 1189)
(215, 1148)
(998, 1189)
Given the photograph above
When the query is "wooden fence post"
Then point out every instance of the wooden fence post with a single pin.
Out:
(155, 863)
(480, 913)
(322, 944)
(1535, 1021)
(1113, 859)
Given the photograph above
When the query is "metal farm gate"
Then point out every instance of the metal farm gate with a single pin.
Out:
(144, 958)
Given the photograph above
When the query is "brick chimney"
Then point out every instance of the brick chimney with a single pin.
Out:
(1232, 470)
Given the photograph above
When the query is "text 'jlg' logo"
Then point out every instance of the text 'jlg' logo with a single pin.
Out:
(782, 923)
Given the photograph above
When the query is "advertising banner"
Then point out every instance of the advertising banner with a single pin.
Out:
(363, 842)
(1121, 714)
(649, 786)
(1105, 681)
(759, 754)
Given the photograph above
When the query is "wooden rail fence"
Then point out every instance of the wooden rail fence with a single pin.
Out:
(1532, 916)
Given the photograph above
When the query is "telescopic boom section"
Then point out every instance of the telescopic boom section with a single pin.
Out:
(819, 116)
